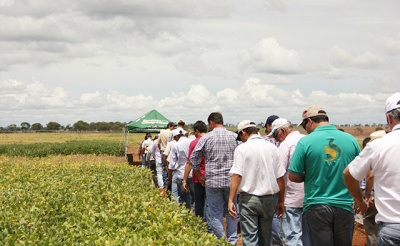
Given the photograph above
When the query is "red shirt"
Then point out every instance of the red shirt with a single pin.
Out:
(202, 169)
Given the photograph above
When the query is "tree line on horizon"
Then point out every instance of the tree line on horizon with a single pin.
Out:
(55, 126)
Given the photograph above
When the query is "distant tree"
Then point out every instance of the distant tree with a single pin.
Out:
(12, 127)
(367, 125)
(37, 126)
(68, 127)
(81, 126)
(25, 126)
(378, 128)
(360, 130)
(53, 126)
(2, 129)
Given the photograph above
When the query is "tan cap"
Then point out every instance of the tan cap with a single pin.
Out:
(311, 111)
(377, 134)
(278, 123)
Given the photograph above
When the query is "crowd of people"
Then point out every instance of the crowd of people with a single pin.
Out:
(286, 188)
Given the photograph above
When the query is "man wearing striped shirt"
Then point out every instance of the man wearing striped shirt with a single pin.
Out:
(218, 147)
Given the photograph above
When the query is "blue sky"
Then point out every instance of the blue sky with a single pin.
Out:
(115, 60)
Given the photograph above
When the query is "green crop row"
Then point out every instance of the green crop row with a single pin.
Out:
(66, 148)
(64, 200)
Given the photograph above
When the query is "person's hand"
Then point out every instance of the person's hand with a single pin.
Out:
(360, 207)
(280, 209)
(169, 182)
(164, 169)
(371, 202)
(184, 186)
(232, 210)
(202, 180)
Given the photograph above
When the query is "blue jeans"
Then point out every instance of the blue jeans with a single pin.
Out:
(218, 204)
(185, 197)
(174, 188)
(256, 214)
(388, 234)
(329, 226)
(144, 161)
(276, 225)
(293, 231)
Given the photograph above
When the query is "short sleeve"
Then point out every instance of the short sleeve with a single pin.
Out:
(298, 160)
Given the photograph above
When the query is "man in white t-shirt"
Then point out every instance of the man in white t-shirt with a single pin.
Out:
(293, 228)
(256, 175)
(381, 157)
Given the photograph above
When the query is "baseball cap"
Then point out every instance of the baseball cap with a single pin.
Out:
(311, 111)
(278, 123)
(393, 102)
(171, 124)
(177, 132)
(271, 119)
(243, 125)
(181, 122)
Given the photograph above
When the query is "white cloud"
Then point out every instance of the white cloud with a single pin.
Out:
(392, 45)
(253, 100)
(340, 58)
(268, 56)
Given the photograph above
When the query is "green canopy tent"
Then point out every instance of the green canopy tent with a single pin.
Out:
(152, 121)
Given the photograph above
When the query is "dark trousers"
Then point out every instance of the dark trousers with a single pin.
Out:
(199, 199)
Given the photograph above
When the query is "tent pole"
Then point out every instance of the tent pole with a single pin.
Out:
(126, 144)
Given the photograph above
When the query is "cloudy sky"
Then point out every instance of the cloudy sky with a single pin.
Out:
(103, 60)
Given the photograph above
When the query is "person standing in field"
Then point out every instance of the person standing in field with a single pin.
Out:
(319, 160)
(200, 129)
(218, 147)
(276, 223)
(162, 144)
(179, 155)
(293, 229)
(256, 175)
(146, 144)
(381, 157)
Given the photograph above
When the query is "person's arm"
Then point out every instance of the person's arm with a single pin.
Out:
(353, 185)
(280, 206)
(186, 176)
(369, 183)
(200, 177)
(296, 177)
(235, 182)
(169, 179)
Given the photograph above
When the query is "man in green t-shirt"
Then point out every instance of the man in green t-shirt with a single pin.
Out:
(319, 160)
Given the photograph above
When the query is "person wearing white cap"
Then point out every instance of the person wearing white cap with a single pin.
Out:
(179, 155)
(381, 157)
(293, 228)
(319, 160)
(256, 175)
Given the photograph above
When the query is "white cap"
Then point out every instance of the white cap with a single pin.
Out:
(245, 124)
(393, 102)
(278, 123)
(377, 134)
(177, 132)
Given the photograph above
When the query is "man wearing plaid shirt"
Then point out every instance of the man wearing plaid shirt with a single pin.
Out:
(218, 147)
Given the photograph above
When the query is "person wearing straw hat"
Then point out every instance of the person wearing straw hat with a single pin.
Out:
(381, 157)
(256, 175)
(319, 160)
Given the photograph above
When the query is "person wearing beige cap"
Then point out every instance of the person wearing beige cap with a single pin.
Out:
(319, 160)
(256, 175)
(371, 228)
(381, 157)
(293, 228)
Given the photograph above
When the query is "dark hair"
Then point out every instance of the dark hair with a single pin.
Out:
(320, 118)
(251, 130)
(181, 123)
(215, 117)
(148, 135)
(200, 126)
(365, 141)
(395, 114)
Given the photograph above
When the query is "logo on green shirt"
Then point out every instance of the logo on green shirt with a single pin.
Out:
(332, 152)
